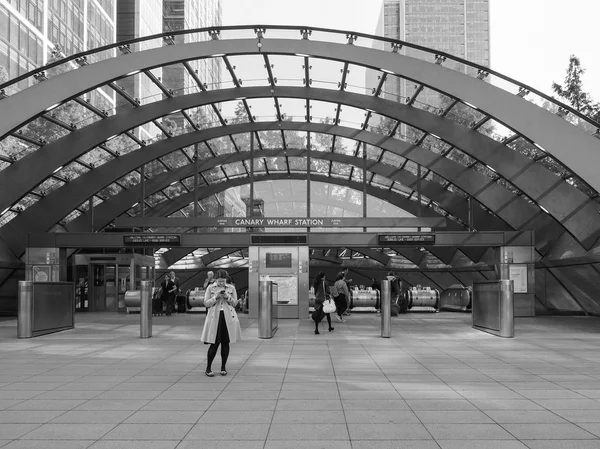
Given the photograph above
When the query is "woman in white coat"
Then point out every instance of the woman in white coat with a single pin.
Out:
(222, 325)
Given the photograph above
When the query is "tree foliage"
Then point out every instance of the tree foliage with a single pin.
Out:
(573, 92)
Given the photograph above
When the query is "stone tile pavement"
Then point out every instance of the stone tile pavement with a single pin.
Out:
(437, 383)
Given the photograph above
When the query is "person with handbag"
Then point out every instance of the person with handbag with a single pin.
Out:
(222, 325)
(342, 297)
(320, 287)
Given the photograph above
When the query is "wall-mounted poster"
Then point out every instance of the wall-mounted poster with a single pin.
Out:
(41, 273)
(518, 274)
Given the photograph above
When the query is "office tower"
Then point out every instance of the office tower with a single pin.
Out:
(32, 31)
(187, 15)
(457, 27)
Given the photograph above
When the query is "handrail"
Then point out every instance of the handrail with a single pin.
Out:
(301, 29)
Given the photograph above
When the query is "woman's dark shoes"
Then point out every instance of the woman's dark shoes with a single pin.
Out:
(209, 373)
(223, 372)
(331, 328)
(317, 332)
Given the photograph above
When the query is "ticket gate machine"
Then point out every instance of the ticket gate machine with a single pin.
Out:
(287, 266)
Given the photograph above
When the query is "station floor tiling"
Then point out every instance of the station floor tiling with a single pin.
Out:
(437, 383)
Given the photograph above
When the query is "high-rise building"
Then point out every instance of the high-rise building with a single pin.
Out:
(457, 27)
(187, 15)
(31, 31)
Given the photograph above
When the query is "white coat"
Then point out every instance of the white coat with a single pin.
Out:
(213, 302)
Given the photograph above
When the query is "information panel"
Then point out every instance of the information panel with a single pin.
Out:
(518, 274)
(152, 240)
(406, 239)
(278, 260)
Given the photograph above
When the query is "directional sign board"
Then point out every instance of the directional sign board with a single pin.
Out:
(152, 240)
(406, 239)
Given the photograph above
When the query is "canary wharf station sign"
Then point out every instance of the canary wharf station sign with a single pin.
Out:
(265, 222)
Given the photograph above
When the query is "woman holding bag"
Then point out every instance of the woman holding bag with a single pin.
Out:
(222, 325)
(320, 287)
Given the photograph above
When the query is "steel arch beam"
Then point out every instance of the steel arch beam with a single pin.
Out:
(567, 204)
(119, 204)
(549, 131)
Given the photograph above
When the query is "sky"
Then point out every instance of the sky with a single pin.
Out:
(531, 40)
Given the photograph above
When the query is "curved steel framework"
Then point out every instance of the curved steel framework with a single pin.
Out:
(516, 170)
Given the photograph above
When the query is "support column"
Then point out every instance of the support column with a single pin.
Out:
(251, 174)
(91, 209)
(143, 193)
(470, 212)
(308, 147)
(364, 180)
(196, 183)
(419, 207)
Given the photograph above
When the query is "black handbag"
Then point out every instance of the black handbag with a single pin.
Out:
(318, 314)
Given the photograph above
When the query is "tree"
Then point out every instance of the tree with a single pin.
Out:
(573, 93)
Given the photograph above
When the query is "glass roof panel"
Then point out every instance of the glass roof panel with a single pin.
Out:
(130, 179)
(458, 156)
(322, 111)
(276, 164)
(251, 69)
(72, 216)
(339, 170)
(48, 186)
(175, 159)
(352, 117)
(288, 69)
(293, 108)
(555, 167)
(373, 153)
(96, 157)
(6, 217)
(235, 169)
(25, 202)
(213, 175)
(380, 181)
(319, 166)
(221, 145)
(408, 133)
(495, 130)
(355, 80)
(526, 148)
(392, 159)
(122, 144)
(346, 146)
(110, 190)
(380, 124)
(297, 164)
(259, 164)
(357, 175)
(72, 171)
(485, 170)
(435, 145)
(14, 148)
(154, 168)
(174, 190)
(176, 123)
(321, 142)
(269, 139)
(325, 74)
(263, 109)
(157, 198)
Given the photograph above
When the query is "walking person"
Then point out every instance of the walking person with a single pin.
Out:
(343, 296)
(164, 295)
(348, 282)
(210, 278)
(172, 289)
(222, 325)
(320, 287)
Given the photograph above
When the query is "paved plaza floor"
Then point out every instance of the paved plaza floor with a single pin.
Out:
(437, 383)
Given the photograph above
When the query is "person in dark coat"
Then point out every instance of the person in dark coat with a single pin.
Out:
(321, 289)
(164, 295)
(172, 290)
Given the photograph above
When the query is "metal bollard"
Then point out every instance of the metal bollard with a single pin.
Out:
(507, 309)
(265, 305)
(25, 310)
(386, 308)
(146, 309)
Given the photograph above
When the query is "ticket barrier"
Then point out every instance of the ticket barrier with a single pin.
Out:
(457, 298)
(493, 307)
(133, 299)
(195, 300)
(267, 310)
(422, 297)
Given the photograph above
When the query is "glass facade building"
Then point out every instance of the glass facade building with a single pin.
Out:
(31, 30)
(457, 27)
